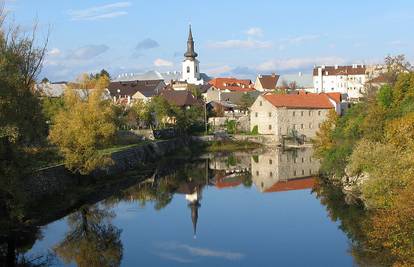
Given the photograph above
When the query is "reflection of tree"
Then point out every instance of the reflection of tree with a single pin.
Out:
(92, 240)
(353, 222)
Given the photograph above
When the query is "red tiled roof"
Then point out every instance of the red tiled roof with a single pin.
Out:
(335, 96)
(309, 101)
(232, 84)
(340, 70)
(295, 184)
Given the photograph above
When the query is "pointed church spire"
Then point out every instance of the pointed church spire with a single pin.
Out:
(190, 54)
(194, 215)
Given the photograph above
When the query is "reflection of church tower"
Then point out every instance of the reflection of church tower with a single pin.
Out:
(194, 204)
(191, 69)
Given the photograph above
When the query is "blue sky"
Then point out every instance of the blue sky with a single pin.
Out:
(237, 38)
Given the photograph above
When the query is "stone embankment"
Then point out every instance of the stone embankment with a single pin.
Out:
(57, 179)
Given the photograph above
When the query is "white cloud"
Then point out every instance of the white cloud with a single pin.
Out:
(254, 31)
(100, 12)
(298, 63)
(218, 70)
(88, 52)
(241, 44)
(55, 52)
(159, 62)
(301, 39)
(395, 43)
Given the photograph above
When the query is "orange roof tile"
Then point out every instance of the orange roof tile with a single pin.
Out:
(295, 184)
(308, 101)
(232, 84)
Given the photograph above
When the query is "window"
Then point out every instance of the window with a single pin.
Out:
(257, 173)
(270, 161)
(310, 172)
(270, 114)
(271, 174)
(294, 173)
(301, 126)
(310, 125)
(319, 113)
(310, 113)
(303, 160)
(303, 172)
(256, 114)
(293, 114)
(294, 160)
(301, 113)
(270, 127)
(188, 69)
(196, 69)
(260, 103)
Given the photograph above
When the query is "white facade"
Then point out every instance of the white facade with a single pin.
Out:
(191, 71)
(348, 80)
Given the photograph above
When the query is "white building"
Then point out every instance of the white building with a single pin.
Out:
(348, 80)
(191, 66)
(282, 114)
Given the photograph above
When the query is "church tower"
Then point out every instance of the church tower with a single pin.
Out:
(191, 69)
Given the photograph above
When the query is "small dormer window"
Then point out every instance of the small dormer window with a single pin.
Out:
(188, 69)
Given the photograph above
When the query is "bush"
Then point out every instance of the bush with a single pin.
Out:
(255, 130)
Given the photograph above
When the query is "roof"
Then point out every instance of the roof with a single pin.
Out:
(308, 101)
(51, 89)
(380, 79)
(268, 81)
(179, 98)
(294, 184)
(335, 96)
(128, 88)
(340, 70)
(233, 84)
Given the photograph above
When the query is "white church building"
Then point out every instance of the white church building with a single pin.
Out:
(191, 66)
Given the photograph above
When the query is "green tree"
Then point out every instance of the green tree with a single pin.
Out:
(84, 127)
(21, 120)
(246, 101)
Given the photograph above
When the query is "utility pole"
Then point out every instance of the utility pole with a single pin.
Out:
(205, 118)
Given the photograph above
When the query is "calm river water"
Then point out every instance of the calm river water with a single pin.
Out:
(238, 209)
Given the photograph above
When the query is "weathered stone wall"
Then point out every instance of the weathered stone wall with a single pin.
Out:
(56, 180)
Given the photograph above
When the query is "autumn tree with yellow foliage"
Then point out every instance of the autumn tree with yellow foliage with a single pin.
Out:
(85, 125)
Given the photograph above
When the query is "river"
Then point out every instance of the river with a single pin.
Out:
(235, 209)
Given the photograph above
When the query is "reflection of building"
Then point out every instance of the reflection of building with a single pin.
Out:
(276, 166)
(192, 191)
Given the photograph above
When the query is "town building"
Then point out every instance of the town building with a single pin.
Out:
(265, 83)
(349, 80)
(292, 114)
(127, 92)
(182, 98)
(191, 65)
(229, 90)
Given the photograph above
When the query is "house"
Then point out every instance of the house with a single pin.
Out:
(266, 83)
(230, 90)
(48, 89)
(130, 91)
(284, 114)
(182, 98)
(348, 80)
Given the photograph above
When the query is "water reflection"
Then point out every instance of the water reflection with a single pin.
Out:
(92, 239)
